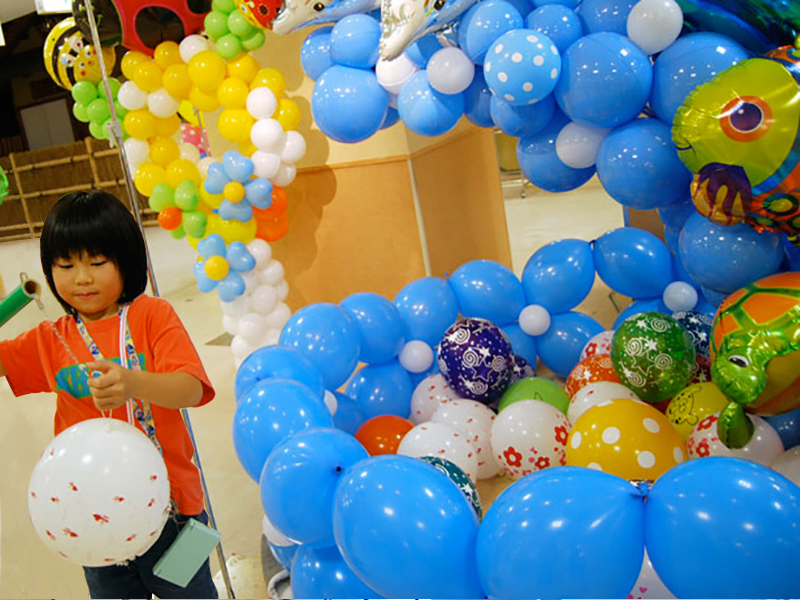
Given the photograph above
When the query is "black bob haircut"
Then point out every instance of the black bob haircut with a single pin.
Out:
(95, 222)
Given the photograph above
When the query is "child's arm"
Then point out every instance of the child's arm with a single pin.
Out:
(116, 384)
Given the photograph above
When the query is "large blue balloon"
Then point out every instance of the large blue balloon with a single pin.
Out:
(315, 54)
(606, 15)
(788, 427)
(348, 416)
(560, 346)
(522, 121)
(565, 532)
(269, 412)
(522, 344)
(299, 480)
(675, 214)
(488, 290)
(426, 111)
(724, 528)
(483, 23)
(633, 262)
(382, 389)
(477, 101)
(537, 158)
(380, 325)
(406, 530)
(354, 41)
(318, 572)
(326, 335)
(277, 362)
(639, 167)
(559, 23)
(428, 307)
(725, 259)
(559, 275)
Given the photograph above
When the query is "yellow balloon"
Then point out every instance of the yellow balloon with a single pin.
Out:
(217, 268)
(130, 61)
(149, 175)
(168, 126)
(177, 81)
(192, 241)
(233, 192)
(288, 114)
(693, 404)
(207, 70)
(243, 67)
(235, 125)
(140, 124)
(247, 149)
(164, 150)
(271, 78)
(167, 54)
(626, 438)
(182, 170)
(148, 76)
(232, 93)
(204, 102)
(235, 231)
(214, 201)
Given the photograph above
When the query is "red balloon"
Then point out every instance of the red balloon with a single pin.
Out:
(383, 434)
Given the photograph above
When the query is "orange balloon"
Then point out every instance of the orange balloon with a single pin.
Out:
(383, 434)
(271, 229)
(595, 368)
(170, 218)
(280, 201)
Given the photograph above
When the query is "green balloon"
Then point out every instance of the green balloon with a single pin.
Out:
(163, 196)
(114, 84)
(254, 42)
(98, 130)
(194, 223)
(536, 388)
(121, 110)
(186, 197)
(653, 355)
(98, 110)
(239, 25)
(223, 6)
(216, 25)
(178, 233)
(84, 92)
(229, 46)
(79, 110)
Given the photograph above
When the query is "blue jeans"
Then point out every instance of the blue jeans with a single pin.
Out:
(136, 579)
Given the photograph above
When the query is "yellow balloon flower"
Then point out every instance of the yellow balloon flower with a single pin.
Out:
(217, 268)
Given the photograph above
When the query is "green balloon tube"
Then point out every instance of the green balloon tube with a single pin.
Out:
(26, 292)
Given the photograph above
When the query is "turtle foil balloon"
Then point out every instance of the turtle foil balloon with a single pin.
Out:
(755, 353)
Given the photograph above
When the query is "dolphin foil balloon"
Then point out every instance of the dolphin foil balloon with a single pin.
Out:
(403, 22)
(295, 14)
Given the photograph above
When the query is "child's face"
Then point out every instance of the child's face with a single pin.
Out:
(92, 285)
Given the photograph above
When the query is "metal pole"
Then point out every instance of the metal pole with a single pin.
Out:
(116, 133)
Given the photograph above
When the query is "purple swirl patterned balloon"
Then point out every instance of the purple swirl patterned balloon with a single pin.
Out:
(476, 359)
(521, 369)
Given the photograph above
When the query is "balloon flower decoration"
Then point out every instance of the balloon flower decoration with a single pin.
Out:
(233, 28)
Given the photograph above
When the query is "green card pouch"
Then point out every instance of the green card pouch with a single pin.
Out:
(187, 553)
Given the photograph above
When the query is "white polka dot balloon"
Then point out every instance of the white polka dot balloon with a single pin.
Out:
(442, 441)
(764, 447)
(431, 391)
(593, 394)
(474, 420)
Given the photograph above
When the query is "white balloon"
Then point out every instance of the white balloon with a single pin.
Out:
(189, 152)
(649, 584)
(271, 338)
(191, 45)
(534, 319)
(283, 290)
(241, 348)
(274, 536)
(764, 447)
(204, 163)
(131, 97)
(285, 175)
(427, 396)
(331, 402)
(239, 307)
(252, 327)
(279, 316)
(251, 281)
(137, 151)
(261, 103)
(593, 394)
(443, 441)
(268, 134)
(416, 356)
(788, 464)
(680, 296)
(577, 145)
(598, 345)
(450, 70)
(230, 324)
(393, 74)
(161, 104)
(261, 251)
(474, 420)
(273, 273)
(654, 24)
(295, 147)
(99, 494)
(265, 164)
(264, 298)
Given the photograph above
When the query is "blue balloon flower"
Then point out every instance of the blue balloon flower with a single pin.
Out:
(488, 290)
(235, 167)
(426, 111)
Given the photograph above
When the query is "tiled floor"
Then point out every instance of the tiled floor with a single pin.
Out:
(29, 570)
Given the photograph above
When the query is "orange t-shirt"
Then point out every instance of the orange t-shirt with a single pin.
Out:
(37, 361)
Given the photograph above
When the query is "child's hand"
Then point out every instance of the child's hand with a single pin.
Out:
(109, 383)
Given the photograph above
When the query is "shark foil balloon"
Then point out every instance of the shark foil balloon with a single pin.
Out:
(295, 14)
(403, 22)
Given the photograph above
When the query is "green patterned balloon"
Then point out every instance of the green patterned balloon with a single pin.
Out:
(461, 480)
(653, 355)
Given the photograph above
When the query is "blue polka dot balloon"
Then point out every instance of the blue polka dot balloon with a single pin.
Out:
(522, 66)
(476, 359)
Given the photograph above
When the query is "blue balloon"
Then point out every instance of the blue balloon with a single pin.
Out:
(239, 258)
(299, 479)
(258, 192)
(211, 245)
(705, 307)
(326, 335)
(349, 105)
(426, 111)
(216, 179)
(348, 416)
(725, 259)
(639, 166)
(522, 344)
(392, 117)
(792, 258)
(559, 275)
(606, 15)
(522, 67)
(560, 23)
(354, 41)
(230, 288)
(522, 121)
(788, 427)
(724, 528)
(204, 283)
(605, 80)
(318, 572)
(420, 52)
(237, 166)
(523, 6)
(633, 262)
(671, 237)
(573, 4)
(235, 211)
(277, 362)
(539, 162)
(488, 290)
(315, 54)
(565, 531)
(483, 23)
(477, 101)
(382, 389)
(675, 214)
(640, 306)
(283, 554)
(713, 297)
(379, 324)
(269, 412)
(428, 307)
(560, 346)
(690, 61)
(406, 530)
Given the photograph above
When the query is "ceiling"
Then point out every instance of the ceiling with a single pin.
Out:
(11, 9)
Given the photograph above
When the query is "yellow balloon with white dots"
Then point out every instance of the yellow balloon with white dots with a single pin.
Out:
(626, 438)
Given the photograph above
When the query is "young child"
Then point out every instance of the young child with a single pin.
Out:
(94, 260)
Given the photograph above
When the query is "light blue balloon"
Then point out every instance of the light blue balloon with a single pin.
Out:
(477, 101)
(326, 335)
(488, 290)
(349, 105)
(204, 283)
(392, 117)
(522, 344)
(354, 41)
(690, 61)
(269, 412)
(522, 121)
(315, 53)
(277, 362)
(483, 23)
(382, 389)
(641, 306)
(323, 571)
(283, 554)
(348, 416)
(560, 23)
(605, 80)
(212, 245)
(537, 158)
(559, 275)
(713, 297)
(606, 15)
(236, 211)
(788, 427)
(217, 179)
(724, 528)
(406, 530)
(573, 4)
(379, 324)
(675, 214)
(565, 531)
(725, 259)
(428, 307)
(560, 346)
(231, 287)
(237, 166)
(239, 258)
(299, 480)
(426, 111)
(258, 192)
(639, 166)
(633, 262)
(523, 6)
(420, 52)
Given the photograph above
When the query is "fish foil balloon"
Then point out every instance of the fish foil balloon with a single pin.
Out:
(295, 14)
(403, 22)
(739, 134)
(755, 353)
